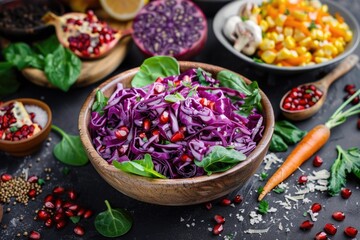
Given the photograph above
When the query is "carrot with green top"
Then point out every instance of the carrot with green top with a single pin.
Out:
(310, 144)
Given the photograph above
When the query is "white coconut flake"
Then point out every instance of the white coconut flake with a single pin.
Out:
(258, 231)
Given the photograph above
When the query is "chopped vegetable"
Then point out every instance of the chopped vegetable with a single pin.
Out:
(263, 207)
(99, 103)
(310, 144)
(263, 176)
(285, 133)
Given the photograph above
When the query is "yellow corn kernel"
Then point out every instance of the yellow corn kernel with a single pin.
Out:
(294, 54)
(339, 45)
(330, 50)
(280, 20)
(288, 31)
(324, 8)
(299, 15)
(284, 53)
(305, 42)
(348, 35)
(279, 65)
(273, 36)
(256, 10)
(317, 34)
(289, 42)
(270, 21)
(308, 57)
(264, 25)
(298, 35)
(267, 44)
(301, 50)
(327, 34)
(319, 53)
(343, 26)
(268, 56)
(321, 59)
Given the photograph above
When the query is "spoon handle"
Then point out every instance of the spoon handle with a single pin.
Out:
(345, 66)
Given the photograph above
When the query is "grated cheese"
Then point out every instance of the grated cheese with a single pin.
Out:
(258, 231)
(313, 215)
(270, 159)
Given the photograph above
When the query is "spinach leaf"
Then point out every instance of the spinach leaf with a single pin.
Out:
(200, 75)
(220, 159)
(75, 219)
(154, 67)
(177, 97)
(70, 150)
(253, 98)
(289, 132)
(113, 222)
(263, 207)
(100, 102)
(8, 82)
(277, 144)
(356, 172)
(345, 163)
(21, 55)
(48, 45)
(144, 167)
(62, 68)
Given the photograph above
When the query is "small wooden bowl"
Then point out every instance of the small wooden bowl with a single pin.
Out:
(174, 192)
(32, 144)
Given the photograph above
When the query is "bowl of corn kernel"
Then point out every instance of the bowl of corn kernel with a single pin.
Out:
(287, 36)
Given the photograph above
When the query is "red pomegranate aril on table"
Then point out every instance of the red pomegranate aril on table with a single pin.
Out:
(49, 205)
(58, 190)
(72, 194)
(49, 198)
(34, 235)
(43, 215)
(346, 193)
(356, 100)
(349, 87)
(58, 203)
(306, 225)
(219, 219)
(78, 230)
(49, 223)
(88, 213)
(316, 207)
(32, 193)
(61, 224)
(302, 179)
(208, 205)
(58, 217)
(69, 213)
(74, 207)
(66, 204)
(218, 228)
(33, 179)
(6, 177)
(321, 236)
(330, 228)
(318, 161)
(338, 216)
(225, 202)
(237, 199)
(351, 231)
(122, 133)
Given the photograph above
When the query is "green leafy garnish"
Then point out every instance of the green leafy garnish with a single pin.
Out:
(13, 129)
(279, 190)
(154, 67)
(192, 91)
(252, 91)
(47, 46)
(100, 102)
(220, 159)
(277, 144)
(70, 150)
(144, 167)
(260, 189)
(258, 60)
(75, 219)
(21, 55)
(113, 222)
(285, 133)
(263, 176)
(346, 162)
(177, 97)
(263, 207)
(8, 82)
(200, 75)
(41, 181)
(312, 26)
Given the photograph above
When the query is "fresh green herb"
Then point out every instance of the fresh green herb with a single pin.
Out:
(279, 190)
(305, 214)
(41, 181)
(154, 67)
(186, 84)
(263, 176)
(260, 189)
(65, 171)
(200, 73)
(113, 222)
(177, 97)
(277, 144)
(309, 91)
(21, 55)
(100, 102)
(144, 167)
(192, 91)
(263, 207)
(252, 91)
(75, 219)
(13, 129)
(346, 162)
(8, 82)
(285, 133)
(220, 159)
(312, 26)
(258, 60)
(70, 150)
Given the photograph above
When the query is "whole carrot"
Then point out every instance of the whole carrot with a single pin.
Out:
(310, 144)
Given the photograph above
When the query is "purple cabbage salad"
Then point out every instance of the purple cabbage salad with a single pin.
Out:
(180, 121)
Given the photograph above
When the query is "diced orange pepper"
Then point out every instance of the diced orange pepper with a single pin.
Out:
(296, 61)
(336, 32)
(279, 46)
(339, 17)
(272, 12)
(298, 25)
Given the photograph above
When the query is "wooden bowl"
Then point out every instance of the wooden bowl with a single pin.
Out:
(32, 144)
(173, 192)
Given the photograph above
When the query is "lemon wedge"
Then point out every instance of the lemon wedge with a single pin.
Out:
(122, 10)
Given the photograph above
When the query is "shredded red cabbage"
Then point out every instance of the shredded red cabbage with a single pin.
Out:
(137, 121)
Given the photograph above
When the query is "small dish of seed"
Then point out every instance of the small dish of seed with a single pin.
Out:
(21, 19)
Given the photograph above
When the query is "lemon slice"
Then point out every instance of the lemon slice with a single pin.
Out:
(122, 10)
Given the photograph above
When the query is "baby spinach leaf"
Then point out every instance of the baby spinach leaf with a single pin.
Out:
(220, 159)
(144, 167)
(154, 67)
(70, 150)
(62, 68)
(289, 132)
(48, 45)
(100, 102)
(21, 55)
(113, 222)
(200, 75)
(277, 144)
(8, 82)
(75, 219)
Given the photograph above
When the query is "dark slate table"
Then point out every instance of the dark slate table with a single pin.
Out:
(188, 222)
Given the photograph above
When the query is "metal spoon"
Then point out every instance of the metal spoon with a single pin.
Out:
(323, 85)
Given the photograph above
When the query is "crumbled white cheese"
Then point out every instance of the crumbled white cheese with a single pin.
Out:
(313, 215)
(239, 217)
(270, 159)
(281, 226)
(255, 218)
(306, 200)
(259, 231)
(272, 209)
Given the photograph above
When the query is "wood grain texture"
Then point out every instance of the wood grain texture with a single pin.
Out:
(173, 192)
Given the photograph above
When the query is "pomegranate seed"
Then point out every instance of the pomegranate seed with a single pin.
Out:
(185, 158)
(88, 213)
(306, 225)
(302, 179)
(178, 136)
(350, 231)
(182, 129)
(58, 190)
(58, 203)
(208, 205)
(49, 198)
(142, 135)
(204, 101)
(33, 179)
(321, 236)
(49, 205)
(346, 193)
(78, 230)
(49, 223)
(146, 124)
(330, 229)
(60, 210)
(355, 101)
(66, 204)
(58, 217)
(159, 80)
(6, 177)
(348, 87)
(34, 235)
(32, 193)
(316, 207)
(159, 88)
(287, 106)
(81, 212)
(318, 161)
(351, 91)
(61, 224)
(122, 133)
(43, 215)
(288, 100)
(237, 199)
(74, 207)
(338, 216)
(72, 194)
(225, 202)
(218, 228)
(219, 219)
(164, 117)
(69, 213)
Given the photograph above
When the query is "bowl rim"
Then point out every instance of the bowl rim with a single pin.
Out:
(30, 101)
(269, 120)
(235, 4)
